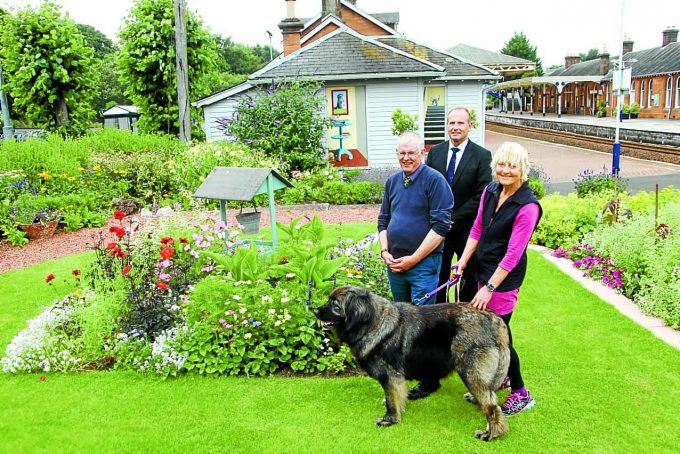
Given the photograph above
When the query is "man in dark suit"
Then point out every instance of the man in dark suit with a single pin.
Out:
(468, 174)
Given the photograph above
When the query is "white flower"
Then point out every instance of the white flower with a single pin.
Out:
(285, 300)
(272, 311)
(278, 323)
(290, 275)
(266, 298)
(247, 335)
(236, 297)
(242, 310)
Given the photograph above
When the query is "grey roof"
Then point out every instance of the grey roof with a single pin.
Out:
(344, 53)
(389, 19)
(454, 66)
(658, 60)
(486, 57)
(586, 68)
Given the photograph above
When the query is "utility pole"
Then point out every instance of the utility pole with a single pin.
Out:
(182, 71)
(616, 152)
(7, 129)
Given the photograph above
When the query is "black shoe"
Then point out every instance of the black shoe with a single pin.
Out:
(422, 390)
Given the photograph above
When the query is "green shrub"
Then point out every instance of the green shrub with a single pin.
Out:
(402, 122)
(588, 182)
(537, 187)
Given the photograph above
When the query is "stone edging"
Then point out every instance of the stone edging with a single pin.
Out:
(620, 302)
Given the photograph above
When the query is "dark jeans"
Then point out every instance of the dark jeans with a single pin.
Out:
(456, 244)
(410, 286)
(514, 373)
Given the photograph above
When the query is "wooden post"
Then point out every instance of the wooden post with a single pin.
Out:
(182, 71)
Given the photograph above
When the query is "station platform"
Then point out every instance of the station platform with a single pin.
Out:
(640, 124)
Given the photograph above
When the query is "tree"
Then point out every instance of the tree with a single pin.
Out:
(147, 63)
(49, 69)
(592, 54)
(238, 58)
(285, 121)
(97, 40)
(519, 46)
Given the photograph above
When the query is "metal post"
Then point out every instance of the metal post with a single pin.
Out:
(7, 129)
(531, 104)
(272, 210)
(271, 55)
(543, 100)
(616, 152)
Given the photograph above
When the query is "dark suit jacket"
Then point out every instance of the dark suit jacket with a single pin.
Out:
(472, 175)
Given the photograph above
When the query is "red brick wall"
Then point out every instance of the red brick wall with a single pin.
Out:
(658, 89)
(321, 33)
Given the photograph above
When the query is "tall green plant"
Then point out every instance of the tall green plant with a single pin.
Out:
(285, 121)
(48, 69)
(147, 63)
(402, 122)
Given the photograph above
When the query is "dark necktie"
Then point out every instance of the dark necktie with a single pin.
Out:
(451, 169)
(407, 181)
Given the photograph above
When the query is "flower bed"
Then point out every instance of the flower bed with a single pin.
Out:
(198, 299)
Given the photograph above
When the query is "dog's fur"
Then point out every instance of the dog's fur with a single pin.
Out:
(396, 342)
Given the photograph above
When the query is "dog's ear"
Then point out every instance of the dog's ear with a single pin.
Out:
(358, 308)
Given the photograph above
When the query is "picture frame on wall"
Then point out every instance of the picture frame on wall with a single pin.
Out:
(339, 102)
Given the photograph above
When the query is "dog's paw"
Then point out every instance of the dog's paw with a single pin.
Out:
(384, 422)
(483, 435)
(470, 398)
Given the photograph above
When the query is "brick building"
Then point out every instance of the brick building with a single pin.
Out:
(582, 88)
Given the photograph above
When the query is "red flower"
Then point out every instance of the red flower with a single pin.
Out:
(114, 251)
(167, 240)
(167, 253)
(125, 270)
(119, 215)
(162, 285)
(183, 240)
(121, 254)
(120, 232)
(76, 273)
(49, 278)
(111, 246)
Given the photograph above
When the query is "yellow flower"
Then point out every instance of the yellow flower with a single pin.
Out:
(96, 167)
(71, 178)
(45, 175)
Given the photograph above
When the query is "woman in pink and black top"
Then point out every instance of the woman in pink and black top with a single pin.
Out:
(506, 219)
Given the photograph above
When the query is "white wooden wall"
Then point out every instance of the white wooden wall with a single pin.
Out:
(383, 98)
(468, 94)
(223, 108)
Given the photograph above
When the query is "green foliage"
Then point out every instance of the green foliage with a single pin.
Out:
(284, 121)
(330, 186)
(110, 90)
(97, 40)
(238, 58)
(566, 219)
(49, 69)
(625, 109)
(519, 46)
(635, 108)
(537, 187)
(473, 118)
(592, 54)
(147, 63)
(402, 122)
(588, 182)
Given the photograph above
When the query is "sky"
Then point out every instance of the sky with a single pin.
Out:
(555, 28)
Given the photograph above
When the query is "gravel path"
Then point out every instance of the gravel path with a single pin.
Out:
(63, 243)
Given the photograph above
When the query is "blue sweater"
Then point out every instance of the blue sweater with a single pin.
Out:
(410, 213)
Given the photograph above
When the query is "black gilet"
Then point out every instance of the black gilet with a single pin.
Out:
(496, 231)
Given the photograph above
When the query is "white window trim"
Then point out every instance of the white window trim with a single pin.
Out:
(677, 92)
(642, 93)
(650, 98)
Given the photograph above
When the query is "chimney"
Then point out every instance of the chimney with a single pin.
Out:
(604, 63)
(628, 45)
(290, 29)
(330, 7)
(670, 35)
(571, 60)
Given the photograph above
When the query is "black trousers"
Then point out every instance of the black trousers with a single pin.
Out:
(455, 244)
(514, 372)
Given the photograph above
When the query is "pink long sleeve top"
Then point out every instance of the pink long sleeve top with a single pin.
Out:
(503, 303)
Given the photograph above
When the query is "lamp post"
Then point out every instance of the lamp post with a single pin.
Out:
(7, 129)
(616, 152)
(271, 54)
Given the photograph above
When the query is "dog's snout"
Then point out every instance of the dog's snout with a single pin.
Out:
(316, 311)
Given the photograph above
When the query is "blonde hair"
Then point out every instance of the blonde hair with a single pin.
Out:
(514, 154)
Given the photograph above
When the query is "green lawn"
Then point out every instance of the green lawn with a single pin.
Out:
(602, 383)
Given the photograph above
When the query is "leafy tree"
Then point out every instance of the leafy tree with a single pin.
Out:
(519, 46)
(238, 58)
(285, 121)
(48, 69)
(147, 63)
(111, 90)
(97, 40)
(592, 54)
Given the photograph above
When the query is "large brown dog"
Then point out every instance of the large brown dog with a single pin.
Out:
(395, 342)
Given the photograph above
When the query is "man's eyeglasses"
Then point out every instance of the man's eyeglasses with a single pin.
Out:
(403, 155)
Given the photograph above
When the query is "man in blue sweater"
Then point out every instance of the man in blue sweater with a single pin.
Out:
(414, 218)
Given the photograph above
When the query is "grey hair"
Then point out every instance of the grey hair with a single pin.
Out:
(411, 135)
